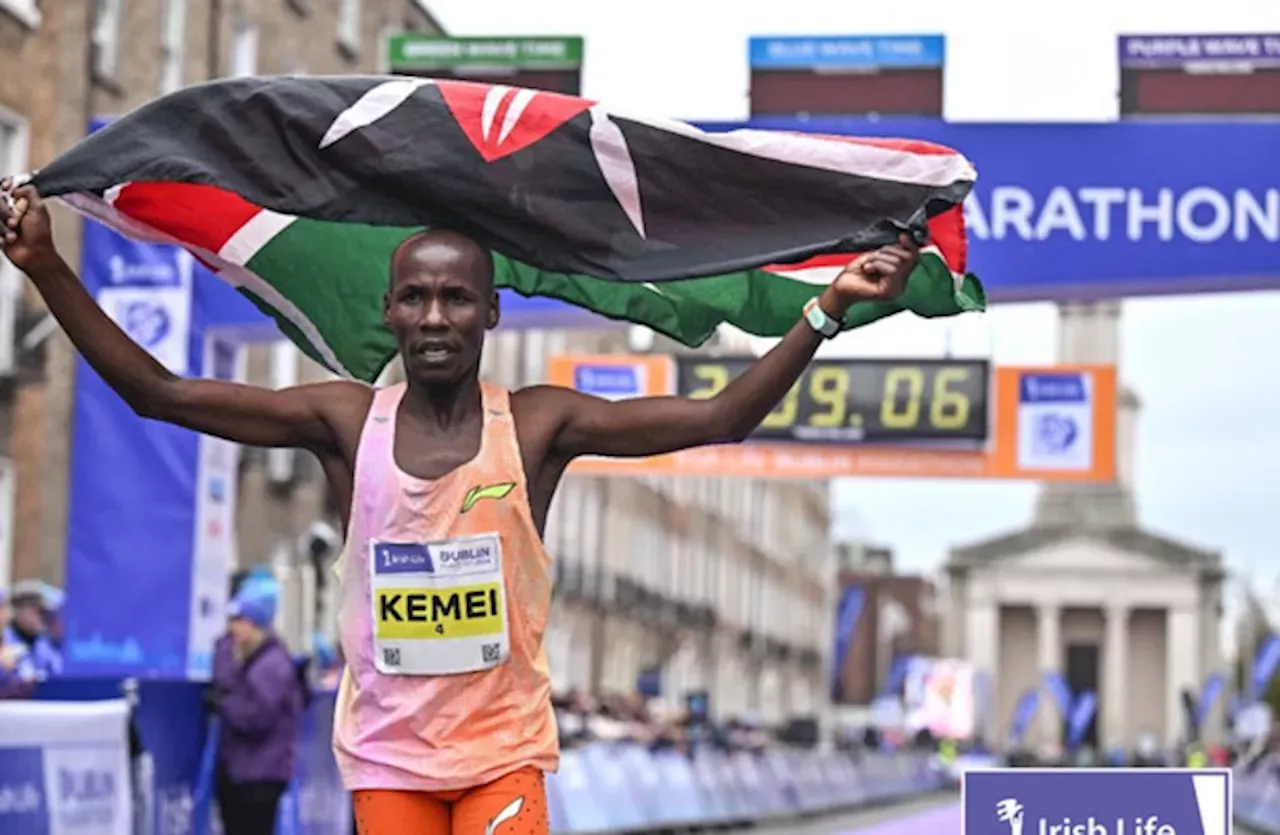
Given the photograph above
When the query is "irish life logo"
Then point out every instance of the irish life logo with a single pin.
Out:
(1112, 801)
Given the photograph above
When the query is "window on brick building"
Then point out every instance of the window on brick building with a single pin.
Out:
(13, 157)
(244, 49)
(173, 46)
(106, 37)
(349, 25)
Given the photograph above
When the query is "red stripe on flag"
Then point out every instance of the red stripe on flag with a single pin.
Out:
(911, 146)
(946, 232)
(199, 215)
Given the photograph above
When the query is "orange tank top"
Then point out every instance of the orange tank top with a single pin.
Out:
(445, 591)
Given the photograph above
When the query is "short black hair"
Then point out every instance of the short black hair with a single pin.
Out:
(448, 237)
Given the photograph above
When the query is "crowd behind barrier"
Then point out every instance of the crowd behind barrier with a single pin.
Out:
(615, 786)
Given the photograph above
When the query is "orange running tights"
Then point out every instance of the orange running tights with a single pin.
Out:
(512, 805)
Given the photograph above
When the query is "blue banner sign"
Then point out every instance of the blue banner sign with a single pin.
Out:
(847, 616)
(1023, 713)
(1111, 801)
(1063, 212)
(875, 52)
(1264, 666)
(1152, 51)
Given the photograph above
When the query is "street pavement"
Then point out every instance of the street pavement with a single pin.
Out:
(932, 814)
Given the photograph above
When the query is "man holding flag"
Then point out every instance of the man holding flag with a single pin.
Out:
(444, 719)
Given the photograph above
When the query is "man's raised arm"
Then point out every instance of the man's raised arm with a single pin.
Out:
(656, 425)
(245, 414)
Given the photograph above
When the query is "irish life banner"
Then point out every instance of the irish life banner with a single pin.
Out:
(1112, 801)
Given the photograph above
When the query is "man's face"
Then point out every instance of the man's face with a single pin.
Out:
(28, 617)
(439, 304)
(243, 631)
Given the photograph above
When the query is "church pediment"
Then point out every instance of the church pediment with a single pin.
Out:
(1083, 555)
(1123, 549)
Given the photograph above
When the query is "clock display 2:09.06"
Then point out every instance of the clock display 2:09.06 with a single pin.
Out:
(863, 400)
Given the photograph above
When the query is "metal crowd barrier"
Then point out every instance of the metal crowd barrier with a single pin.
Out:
(612, 788)
(1257, 794)
(619, 788)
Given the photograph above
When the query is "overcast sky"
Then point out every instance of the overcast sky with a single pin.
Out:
(1206, 367)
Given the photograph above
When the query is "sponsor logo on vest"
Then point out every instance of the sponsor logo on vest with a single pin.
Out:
(402, 558)
(492, 491)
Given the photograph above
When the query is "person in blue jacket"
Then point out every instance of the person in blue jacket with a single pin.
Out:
(256, 692)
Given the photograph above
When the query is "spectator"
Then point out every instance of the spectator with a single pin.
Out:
(53, 600)
(27, 627)
(257, 694)
(17, 674)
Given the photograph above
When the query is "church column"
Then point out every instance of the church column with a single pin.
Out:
(1182, 659)
(982, 636)
(1049, 638)
(1115, 679)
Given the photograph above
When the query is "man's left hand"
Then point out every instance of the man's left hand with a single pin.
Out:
(878, 276)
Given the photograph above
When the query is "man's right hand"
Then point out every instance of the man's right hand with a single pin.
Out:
(28, 234)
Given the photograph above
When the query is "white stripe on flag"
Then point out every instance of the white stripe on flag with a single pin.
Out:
(257, 232)
(828, 154)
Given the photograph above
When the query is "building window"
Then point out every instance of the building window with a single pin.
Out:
(244, 49)
(13, 157)
(106, 37)
(349, 25)
(26, 11)
(173, 45)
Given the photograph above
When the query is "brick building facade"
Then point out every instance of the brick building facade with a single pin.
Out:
(899, 617)
(65, 62)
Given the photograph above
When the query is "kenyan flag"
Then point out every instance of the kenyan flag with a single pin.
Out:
(296, 191)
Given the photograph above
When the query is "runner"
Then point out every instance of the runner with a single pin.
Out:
(444, 719)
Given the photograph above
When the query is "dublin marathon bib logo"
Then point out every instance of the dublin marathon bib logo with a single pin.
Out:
(493, 491)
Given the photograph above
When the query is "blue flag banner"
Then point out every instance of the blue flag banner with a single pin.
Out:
(151, 505)
(1112, 801)
(1023, 713)
(1059, 691)
(1082, 713)
(847, 615)
(1264, 665)
(1209, 693)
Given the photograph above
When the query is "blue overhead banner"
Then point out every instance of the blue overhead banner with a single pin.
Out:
(860, 52)
(1108, 210)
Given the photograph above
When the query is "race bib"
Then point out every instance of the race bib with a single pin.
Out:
(439, 608)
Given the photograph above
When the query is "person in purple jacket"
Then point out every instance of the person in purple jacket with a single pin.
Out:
(257, 694)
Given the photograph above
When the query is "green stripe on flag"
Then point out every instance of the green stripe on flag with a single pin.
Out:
(336, 275)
